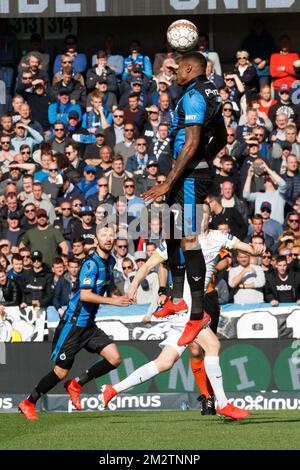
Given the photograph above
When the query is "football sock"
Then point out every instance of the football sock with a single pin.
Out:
(195, 270)
(137, 377)
(47, 383)
(201, 378)
(213, 370)
(98, 369)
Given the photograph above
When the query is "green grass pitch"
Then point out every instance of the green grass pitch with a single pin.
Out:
(176, 430)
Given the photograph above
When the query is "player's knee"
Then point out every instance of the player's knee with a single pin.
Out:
(116, 360)
(195, 351)
(213, 348)
(165, 364)
(61, 373)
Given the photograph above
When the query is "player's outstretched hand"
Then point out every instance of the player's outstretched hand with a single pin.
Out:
(155, 192)
(259, 250)
(122, 301)
(132, 293)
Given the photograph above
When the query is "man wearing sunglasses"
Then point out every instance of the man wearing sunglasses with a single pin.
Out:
(126, 148)
(79, 59)
(7, 153)
(285, 105)
(45, 238)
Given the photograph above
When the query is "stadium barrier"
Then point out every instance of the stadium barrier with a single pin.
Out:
(258, 374)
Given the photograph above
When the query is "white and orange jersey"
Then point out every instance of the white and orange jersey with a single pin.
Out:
(211, 245)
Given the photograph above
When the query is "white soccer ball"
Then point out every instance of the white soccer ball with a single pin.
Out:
(182, 35)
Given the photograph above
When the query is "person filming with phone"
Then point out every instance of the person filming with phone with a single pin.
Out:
(274, 190)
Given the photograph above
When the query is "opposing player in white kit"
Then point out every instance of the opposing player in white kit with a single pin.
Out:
(212, 241)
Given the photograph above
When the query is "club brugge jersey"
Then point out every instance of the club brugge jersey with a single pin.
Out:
(200, 105)
(96, 274)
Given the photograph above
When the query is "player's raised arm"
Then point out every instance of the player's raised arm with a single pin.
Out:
(246, 248)
(152, 262)
(86, 295)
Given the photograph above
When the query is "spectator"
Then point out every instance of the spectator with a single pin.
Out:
(232, 143)
(225, 172)
(166, 114)
(137, 163)
(68, 82)
(230, 199)
(59, 140)
(285, 106)
(36, 48)
(212, 76)
(256, 228)
(7, 154)
(36, 237)
(78, 249)
(102, 70)
(243, 131)
(279, 130)
(203, 44)
(147, 290)
(271, 226)
(57, 269)
(275, 196)
(88, 184)
(65, 221)
(228, 115)
(266, 100)
(25, 135)
(292, 179)
(134, 203)
(26, 258)
(121, 253)
(36, 283)
(103, 197)
(233, 90)
(151, 127)
(136, 58)
(117, 176)
(266, 262)
(115, 133)
(85, 228)
(15, 272)
(292, 228)
(6, 125)
(247, 280)
(79, 59)
(60, 110)
(230, 215)
(66, 286)
(53, 183)
(247, 74)
(14, 231)
(97, 117)
(92, 151)
(133, 113)
(106, 158)
(161, 150)
(260, 46)
(10, 293)
(283, 285)
(110, 101)
(282, 68)
(126, 148)
(39, 101)
(40, 200)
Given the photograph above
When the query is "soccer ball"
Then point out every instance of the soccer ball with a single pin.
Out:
(182, 35)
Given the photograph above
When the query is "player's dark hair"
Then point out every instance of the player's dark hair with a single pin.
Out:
(17, 257)
(196, 57)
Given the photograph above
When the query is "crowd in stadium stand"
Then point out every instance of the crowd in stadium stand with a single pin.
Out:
(83, 137)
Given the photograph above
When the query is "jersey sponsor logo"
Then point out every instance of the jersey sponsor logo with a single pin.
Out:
(63, 357)
(191, 117)
(229, 236)
(284, 287)
(209, 91)
(87, 281)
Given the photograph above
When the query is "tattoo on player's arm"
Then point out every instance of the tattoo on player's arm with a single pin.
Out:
(192, 141)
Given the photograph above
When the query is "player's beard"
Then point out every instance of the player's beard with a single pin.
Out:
(105, 248)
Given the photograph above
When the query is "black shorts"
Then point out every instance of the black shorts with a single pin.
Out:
(69, 339)
(185, 201)
(212, 307)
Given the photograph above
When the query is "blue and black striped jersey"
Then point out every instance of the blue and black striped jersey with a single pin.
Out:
(96, 274)
(200, 105)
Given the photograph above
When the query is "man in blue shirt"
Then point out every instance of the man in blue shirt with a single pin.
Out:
(198, 133)
(77, 328)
